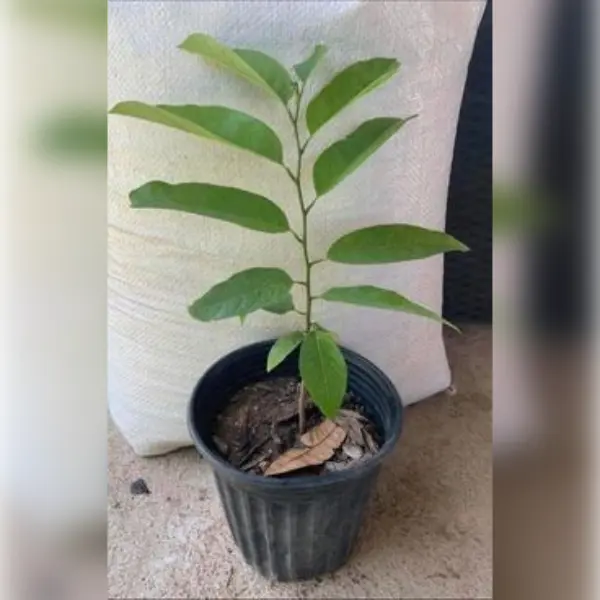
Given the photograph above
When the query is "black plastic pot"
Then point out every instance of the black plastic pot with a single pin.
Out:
(303, 526)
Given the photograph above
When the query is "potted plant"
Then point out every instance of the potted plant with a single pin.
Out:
(295, 429)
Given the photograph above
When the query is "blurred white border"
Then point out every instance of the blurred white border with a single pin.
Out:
(52, 306)
(520, 33)
(4, 195)
(593, 155)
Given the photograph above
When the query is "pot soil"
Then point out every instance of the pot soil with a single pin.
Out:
(260, 425)
(304, 523)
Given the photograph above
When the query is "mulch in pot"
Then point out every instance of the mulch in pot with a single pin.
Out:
(260, 425)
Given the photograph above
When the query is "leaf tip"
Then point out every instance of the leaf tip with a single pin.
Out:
(270, 361)
(184, 45)
(117, 108)
(320, 50)
(452, 326)
(197, 312)
(191, 309)
(394, 66)
(134, 196)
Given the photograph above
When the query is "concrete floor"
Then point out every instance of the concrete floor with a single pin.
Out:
(428, 532)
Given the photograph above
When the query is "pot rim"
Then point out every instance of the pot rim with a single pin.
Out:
(300, 482)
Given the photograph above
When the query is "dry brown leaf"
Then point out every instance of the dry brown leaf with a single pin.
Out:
(352, 451)
(316, 435)
(353, 429)
(335, 466)
(221, 445)
(353, 414)
(370, 442)
(325, 438)
(253, 462)
(287, 411)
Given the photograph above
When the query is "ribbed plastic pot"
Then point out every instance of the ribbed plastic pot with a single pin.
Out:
(298, 527)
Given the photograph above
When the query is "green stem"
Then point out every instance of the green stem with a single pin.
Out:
(303, 237)
(296, 236)
(310, 206)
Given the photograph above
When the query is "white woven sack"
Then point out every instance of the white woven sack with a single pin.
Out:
(160, 261)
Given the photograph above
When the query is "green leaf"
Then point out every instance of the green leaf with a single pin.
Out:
(211, 49)
(242, 294)
(304, 69)
(391, 243)
(273, 73)
(260, 69)
(376, 297)
(345, 156)
(323, 371)
(334, 335)
(350, 84)
(216, 123)
(282, 348)
(224, 203)
(282, 307)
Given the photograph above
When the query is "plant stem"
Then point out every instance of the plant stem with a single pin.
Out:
(303, 238)
(301, 409)
(304, 235)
